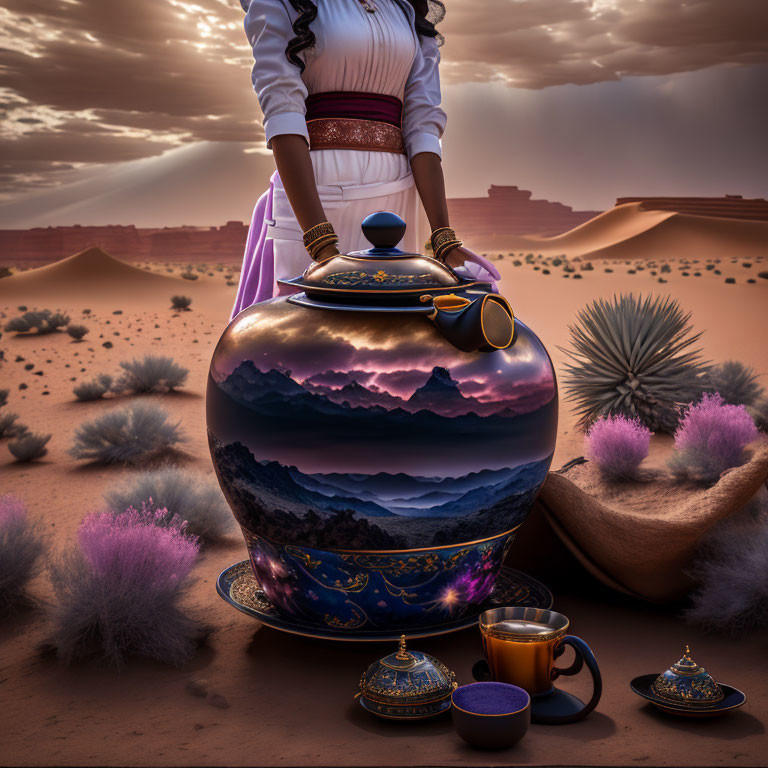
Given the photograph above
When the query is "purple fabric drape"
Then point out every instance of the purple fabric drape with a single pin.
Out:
(257, 277)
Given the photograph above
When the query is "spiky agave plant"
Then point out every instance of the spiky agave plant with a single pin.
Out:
(632, 356)
(735, 382)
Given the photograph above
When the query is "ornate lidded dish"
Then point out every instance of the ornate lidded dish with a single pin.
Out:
(407, 685)
(380, 449)
(687, 683)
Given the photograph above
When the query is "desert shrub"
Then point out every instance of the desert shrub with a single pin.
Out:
(77, 331)
(633, 357)
(94, 389)
(731, 568)
(29, 447)
(759, 413)
(618, 446)
(196, 500)
(736, 383)
(9, 427)
(21, 545)
(711, 438)
(189, 275)
(150, 374)
(119, 590)
(180, 302)
(126, 435)
(43, 321)
(4, 396)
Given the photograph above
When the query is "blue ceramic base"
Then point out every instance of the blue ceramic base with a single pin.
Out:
(553, 708)
(733, 698)
(238, 586)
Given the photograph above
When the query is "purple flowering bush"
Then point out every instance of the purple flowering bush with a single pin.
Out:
(21, 544)
(617, 445)
(711, 438)
(119, 589)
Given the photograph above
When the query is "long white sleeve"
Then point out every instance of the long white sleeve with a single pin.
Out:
(423, 119)
(276, 80)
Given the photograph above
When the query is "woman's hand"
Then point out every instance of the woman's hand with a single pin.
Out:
(460, 256)
(325, 255)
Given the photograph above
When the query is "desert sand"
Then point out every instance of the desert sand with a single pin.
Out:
(53, 714)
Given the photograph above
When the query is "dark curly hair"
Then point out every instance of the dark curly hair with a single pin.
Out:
(428, 14)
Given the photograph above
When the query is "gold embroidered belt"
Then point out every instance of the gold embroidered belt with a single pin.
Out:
(349, 133)
(354, 120)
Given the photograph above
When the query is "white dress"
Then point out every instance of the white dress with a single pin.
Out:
(354, 51)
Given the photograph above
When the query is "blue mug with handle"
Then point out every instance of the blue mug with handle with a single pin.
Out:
(521, 647)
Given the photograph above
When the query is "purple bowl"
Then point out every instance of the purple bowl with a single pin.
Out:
(491, 715)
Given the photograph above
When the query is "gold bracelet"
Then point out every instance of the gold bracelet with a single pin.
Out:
(441, 236)
(323, 228)
(445, 247)
(441, 256)
(321, 240)
(321, 243)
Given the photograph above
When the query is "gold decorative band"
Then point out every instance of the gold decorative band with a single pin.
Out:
(443, 240)
(323, 228)
(317, 238)
(352, 133)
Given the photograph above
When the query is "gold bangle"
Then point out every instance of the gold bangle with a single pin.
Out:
(322, 246)
(323, 228)
(441, 236)
(321, 242)
(445, 248)
(328, 258)
(321, 239)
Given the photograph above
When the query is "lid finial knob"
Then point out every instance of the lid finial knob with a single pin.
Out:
(402, 654)
(383, 229)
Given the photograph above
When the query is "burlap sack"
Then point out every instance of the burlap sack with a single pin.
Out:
(646, 554)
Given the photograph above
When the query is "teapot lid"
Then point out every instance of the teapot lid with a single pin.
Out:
(381, 273)
(687, 682)
(406, 678)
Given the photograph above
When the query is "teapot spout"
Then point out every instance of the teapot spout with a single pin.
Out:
(484, 323)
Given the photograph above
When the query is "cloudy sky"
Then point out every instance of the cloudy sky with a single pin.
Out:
(141, 111)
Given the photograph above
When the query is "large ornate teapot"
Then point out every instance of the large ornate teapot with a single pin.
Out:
(380, 435)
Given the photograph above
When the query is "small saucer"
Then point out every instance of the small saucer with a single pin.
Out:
(238, 586)
(555, 707)
(732, 699)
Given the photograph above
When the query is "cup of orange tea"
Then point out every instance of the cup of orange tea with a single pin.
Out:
(521, 646)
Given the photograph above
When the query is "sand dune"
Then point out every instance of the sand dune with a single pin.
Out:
(89, 270)
(616, 225)
(629, 232)
(683, 236)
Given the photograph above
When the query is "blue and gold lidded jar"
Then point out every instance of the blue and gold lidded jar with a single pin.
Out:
(407, 685)
(688, 684)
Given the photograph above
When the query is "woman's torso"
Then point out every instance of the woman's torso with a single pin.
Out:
(366, 52)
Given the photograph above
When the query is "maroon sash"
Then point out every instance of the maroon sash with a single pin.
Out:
(355, 106)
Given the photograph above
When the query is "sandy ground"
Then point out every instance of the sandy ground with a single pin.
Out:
(53, 715)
